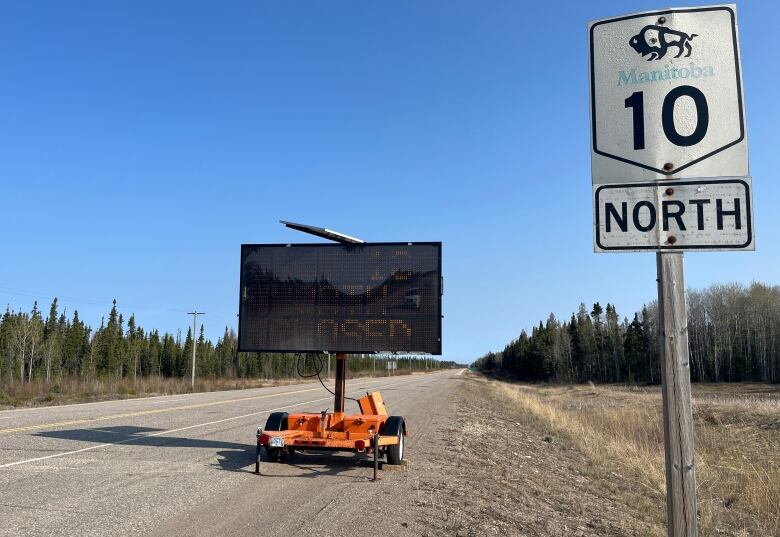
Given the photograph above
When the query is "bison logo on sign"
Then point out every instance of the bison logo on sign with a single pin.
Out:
(656, 40)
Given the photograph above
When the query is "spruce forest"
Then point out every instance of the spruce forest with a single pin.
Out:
(733, 333)
(50, 347)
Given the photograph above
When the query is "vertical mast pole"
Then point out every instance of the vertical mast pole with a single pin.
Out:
(341, 377)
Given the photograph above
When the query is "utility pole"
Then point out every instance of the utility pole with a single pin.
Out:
(194, 339)
(676, 390)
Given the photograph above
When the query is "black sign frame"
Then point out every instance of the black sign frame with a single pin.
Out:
(344, 246)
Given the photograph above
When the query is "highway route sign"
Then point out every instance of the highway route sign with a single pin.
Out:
(666, 96)
(669, 154)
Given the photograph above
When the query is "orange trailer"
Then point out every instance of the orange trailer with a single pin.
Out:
(372, 431)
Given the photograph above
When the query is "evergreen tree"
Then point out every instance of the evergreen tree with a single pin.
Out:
(52, 340)
(634, 348)
(614, 338)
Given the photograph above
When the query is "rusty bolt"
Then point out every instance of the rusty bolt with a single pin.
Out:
(669, 191)
(672, 239)
(668, 166)
(662, 20)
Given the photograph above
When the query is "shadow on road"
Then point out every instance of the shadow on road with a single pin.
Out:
(233, 457)
(314, 464)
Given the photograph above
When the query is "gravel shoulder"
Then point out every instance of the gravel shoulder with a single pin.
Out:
(488, 470)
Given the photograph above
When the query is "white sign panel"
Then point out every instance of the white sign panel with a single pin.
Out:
(666, 96)
(701, 214)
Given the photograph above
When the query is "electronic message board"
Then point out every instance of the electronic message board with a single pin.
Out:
(351, 298)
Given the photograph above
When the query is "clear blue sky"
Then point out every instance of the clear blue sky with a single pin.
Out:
(143, 142)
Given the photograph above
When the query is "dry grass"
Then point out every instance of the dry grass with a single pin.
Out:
(77, 390)
(620, 430)
(71, 390)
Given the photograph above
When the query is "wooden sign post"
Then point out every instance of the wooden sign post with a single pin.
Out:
(676, 392)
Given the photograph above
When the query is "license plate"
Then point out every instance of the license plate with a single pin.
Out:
(276, 441)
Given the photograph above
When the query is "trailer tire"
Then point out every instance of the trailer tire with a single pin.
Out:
(277, 421)
(394, 426)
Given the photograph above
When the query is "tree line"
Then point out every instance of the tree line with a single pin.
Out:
(34, 346)
(733, 334)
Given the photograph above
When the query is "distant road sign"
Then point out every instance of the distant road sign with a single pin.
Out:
(702, 214)
(356, 298)
(666, 96)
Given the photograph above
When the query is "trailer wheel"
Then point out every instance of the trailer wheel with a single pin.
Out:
(394, 426)
(277, 421)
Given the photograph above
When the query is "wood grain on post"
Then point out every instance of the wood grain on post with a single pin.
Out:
(676, 390)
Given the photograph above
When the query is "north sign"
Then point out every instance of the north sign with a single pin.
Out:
(698, 214)
(666, 96)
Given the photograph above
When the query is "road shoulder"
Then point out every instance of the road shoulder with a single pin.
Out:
(490, 470)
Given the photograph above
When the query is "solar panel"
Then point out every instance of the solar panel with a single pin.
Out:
(351, 298)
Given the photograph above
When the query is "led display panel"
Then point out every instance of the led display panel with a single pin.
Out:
(351, 298)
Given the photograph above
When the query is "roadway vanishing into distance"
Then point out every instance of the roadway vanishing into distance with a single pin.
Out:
(184, 464)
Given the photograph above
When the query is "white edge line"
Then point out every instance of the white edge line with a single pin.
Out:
(160, 433)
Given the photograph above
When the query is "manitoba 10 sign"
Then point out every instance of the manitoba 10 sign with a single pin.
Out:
(666, 96)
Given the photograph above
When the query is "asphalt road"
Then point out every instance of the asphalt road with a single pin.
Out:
(182, 465)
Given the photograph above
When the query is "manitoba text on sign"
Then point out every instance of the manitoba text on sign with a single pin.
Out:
(666, 96)
(701, 214)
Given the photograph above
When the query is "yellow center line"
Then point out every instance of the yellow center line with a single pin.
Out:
(146, 412)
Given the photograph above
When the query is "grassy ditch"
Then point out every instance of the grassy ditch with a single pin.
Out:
(619, 428)
(77, 390)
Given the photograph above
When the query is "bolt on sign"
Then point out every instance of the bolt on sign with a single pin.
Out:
(355, 298)
(666, 106)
